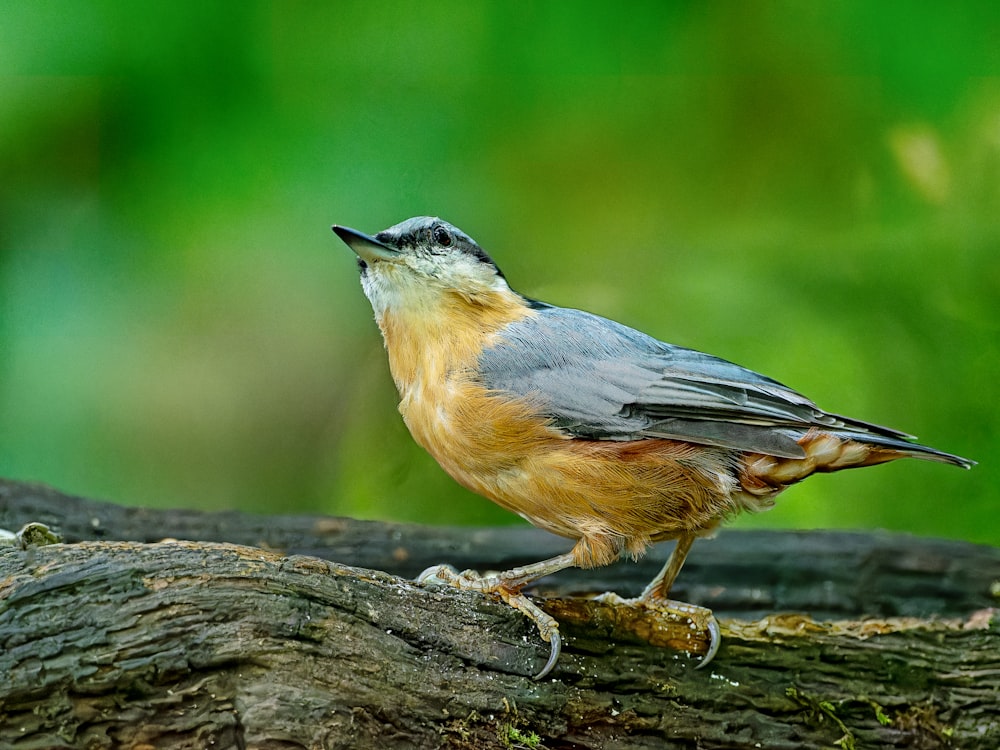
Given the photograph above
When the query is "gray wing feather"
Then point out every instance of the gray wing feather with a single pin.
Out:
(601, 380)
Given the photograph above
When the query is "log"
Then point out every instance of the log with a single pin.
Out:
(282, 632)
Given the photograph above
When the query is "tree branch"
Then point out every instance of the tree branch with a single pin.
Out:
(201, 643)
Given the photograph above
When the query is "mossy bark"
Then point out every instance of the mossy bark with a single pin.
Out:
(113, 639)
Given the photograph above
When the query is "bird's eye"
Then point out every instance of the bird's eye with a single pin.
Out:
(442, 236)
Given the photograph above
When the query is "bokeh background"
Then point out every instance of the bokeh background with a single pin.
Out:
(809, 189)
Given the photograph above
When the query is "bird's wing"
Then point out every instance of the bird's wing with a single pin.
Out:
(600, 380)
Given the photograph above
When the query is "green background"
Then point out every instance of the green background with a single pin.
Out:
(809, 189)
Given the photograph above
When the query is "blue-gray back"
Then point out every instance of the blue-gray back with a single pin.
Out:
(598, 379)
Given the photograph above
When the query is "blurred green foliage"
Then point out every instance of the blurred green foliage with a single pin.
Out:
(809, 189)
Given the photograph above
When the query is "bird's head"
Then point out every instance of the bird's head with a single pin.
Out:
(421, 262)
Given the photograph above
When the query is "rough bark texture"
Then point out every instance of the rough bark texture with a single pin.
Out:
(116, 639)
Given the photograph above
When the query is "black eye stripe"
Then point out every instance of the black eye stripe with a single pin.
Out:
(434, 238)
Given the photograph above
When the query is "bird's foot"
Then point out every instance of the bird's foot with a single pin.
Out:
(510, 592)
(702, 620)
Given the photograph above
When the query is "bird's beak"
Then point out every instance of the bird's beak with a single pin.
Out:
(368, 248)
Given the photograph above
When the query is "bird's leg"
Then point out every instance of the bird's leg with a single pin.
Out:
(659, 588)
(507, 586)
(655, 596)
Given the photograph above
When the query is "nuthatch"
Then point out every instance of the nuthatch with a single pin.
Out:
(581, 425)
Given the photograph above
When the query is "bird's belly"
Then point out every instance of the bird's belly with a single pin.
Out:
(483, 440)
(502, 448)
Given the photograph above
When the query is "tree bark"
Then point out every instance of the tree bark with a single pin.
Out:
(116, 638)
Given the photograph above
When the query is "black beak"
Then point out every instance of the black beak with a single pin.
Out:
(368, 248)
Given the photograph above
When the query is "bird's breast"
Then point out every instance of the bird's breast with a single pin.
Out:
(471, 431)
(475, 434)
(504, 446)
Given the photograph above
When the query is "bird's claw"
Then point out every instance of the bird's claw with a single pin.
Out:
(555, 644)
(469, 580)
(700, 617)
(714, 639)
(547, 626)
(437, 574)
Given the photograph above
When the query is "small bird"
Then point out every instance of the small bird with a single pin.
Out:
(583, 426)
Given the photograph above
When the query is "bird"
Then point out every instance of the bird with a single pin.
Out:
(584, 426)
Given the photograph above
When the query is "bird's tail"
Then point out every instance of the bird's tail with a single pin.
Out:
(835, 450)
(893, 448)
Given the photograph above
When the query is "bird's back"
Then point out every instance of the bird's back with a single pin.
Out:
(601, 380)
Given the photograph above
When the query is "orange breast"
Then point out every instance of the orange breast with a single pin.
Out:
(618, 496)
(615, 496)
